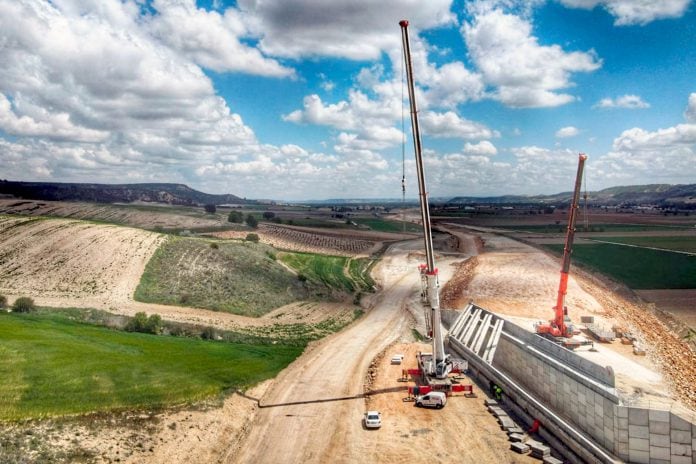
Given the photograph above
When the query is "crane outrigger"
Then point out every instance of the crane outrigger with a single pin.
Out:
(437, 364)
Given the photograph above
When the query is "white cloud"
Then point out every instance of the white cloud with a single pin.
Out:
(39, 122)
(451, 125)
(483, 148)
(568, 131)
(690, 113)
(523, 72)
(357, 30)
(211, 39)
(625, 101)
(631, 12)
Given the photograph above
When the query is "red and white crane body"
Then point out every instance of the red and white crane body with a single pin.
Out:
(440, 366)
(560, 325)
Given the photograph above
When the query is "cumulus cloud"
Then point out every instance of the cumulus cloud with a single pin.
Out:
(87, 92)
(523, 72)
(632, 12)
(358, 30)
(690, 113)
(451, 125)
(483, 148)
(211, 39)
(625, 101)
(568, 131)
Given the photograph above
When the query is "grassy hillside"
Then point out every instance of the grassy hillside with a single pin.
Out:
(335, 272)
(237, 277)
(54, 366)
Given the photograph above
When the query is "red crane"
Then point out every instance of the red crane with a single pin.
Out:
(560, 326)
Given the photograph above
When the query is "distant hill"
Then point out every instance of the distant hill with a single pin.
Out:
(173, 194)
(653, 194)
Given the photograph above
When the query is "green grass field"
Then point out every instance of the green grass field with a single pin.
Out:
(53, 366)
(336, 272)
(687, 244)
(237, 277)
(609, 227)
(637, 267)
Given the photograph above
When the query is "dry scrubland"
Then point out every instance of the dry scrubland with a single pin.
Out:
(68, 262)
(145, 216)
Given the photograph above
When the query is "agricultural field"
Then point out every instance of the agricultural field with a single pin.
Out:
(54, 366)
(162, 218)
(336, 272)
(237, 277)
(638, 268)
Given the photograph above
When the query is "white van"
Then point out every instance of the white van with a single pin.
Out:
(432, 400)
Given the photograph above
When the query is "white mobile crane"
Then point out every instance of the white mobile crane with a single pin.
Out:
(436, 365)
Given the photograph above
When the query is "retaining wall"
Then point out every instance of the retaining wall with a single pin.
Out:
(577, 401)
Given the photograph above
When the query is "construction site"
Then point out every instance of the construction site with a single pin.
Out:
(473, 344)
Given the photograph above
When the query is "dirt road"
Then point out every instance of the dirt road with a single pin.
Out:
(313, 406)
(313, 412)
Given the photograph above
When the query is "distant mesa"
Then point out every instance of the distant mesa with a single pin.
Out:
(172, 194)
(653, 194)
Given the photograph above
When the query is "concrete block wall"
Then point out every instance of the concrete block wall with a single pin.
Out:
(585, 402)
(654, 436)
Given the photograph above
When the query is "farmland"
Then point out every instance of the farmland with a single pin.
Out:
(54, 366)
(639, 268)
(335, 272)
(191, 272)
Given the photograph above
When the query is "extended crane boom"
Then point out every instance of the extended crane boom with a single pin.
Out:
(440, 367)
(560, 326)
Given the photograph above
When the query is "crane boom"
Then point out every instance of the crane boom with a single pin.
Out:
(440, 366)
(561, 310)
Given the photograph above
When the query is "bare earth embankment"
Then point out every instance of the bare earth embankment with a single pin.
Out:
(521, 282)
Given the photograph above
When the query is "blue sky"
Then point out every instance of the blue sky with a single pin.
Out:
(302, 99)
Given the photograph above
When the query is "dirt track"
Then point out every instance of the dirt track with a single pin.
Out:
(313, 411)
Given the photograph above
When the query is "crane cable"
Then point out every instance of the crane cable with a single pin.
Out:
(586, 219)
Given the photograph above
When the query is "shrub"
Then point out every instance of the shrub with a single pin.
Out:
(235, 216)
(3, 301)
(252, 238)
(214, 246)
(210, 208)
(251, 221)
(184, 298)
(209, 333)
(23, 304)
(268, 215)
(301, 277)
(143, 324)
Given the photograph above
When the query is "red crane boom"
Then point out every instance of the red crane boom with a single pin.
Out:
(560, 325)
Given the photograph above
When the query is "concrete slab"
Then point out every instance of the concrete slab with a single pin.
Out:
(638, 444)
(677, 423)
(680, 436)
(660, 440)
(551, 460)
(516, 437)
(658, 415)
(519, 448)
(678, 449)
(659, 427)
(680, 460)
(638, 431)
(657, 452)
(638, 416)
(639, 457)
